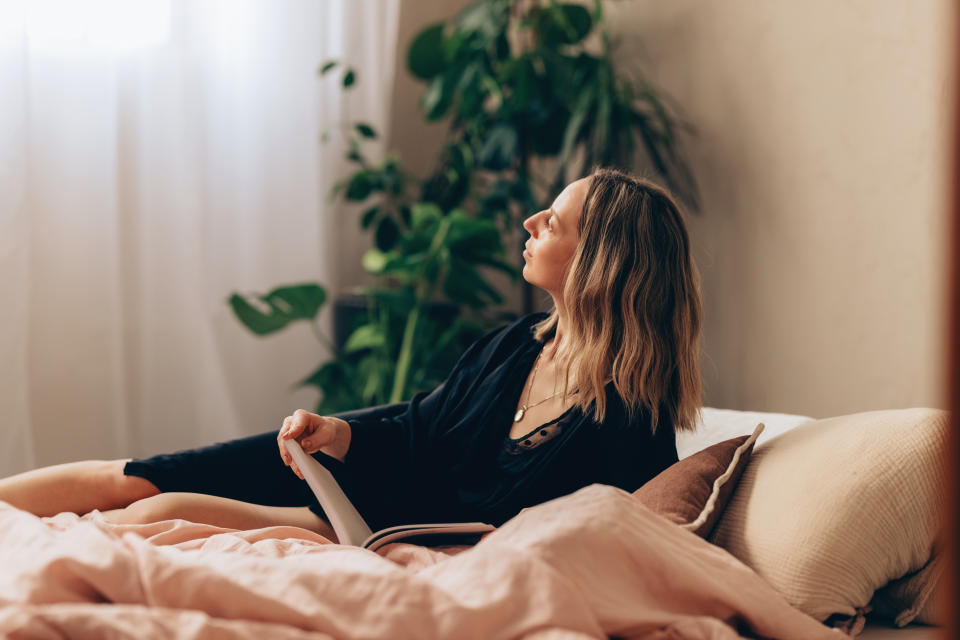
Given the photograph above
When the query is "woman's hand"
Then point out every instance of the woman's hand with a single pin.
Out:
(314, 433)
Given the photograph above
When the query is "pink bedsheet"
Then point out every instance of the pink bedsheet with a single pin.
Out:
(591, 564)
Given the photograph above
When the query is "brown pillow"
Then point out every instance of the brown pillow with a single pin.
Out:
(694, 491)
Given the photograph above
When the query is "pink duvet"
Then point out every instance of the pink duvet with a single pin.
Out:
(592, 564)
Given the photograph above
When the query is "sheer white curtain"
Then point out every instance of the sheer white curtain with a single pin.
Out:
(156, 155)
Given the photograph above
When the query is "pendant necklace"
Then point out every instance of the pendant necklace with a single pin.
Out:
(518, 416)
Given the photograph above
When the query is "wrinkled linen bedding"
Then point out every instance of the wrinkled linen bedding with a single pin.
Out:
(593, 564)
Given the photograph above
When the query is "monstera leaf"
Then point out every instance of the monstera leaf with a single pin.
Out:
(266, 314)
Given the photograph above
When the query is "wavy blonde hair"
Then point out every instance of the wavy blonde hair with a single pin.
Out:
(632, 293)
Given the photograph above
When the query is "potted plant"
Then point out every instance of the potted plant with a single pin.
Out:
(520, 87)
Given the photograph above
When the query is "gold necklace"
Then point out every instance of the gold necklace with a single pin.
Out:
(518, 416)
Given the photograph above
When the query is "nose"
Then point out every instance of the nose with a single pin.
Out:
(529, 225)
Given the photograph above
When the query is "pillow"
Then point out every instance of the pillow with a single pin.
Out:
(917, 597)
(717, 425)
(693, 492)
(832, 510)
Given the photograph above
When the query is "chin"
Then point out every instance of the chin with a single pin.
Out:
(526, 276)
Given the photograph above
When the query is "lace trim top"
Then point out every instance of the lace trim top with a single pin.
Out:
(538, 436)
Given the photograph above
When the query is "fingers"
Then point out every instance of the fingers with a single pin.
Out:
(284, 454)
(309, 429)
(300, 423)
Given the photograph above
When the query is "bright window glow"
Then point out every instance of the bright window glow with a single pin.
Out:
(100, 25)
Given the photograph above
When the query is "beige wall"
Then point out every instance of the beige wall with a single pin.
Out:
(823, 130)
(821, 158)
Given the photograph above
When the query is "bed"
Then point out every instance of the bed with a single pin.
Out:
(600, 562)
(881, 630)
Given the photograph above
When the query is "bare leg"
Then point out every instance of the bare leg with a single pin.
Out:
(220, 512)
(79, 487)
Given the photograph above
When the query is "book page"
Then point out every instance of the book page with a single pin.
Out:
(430, 535)
(346, 521)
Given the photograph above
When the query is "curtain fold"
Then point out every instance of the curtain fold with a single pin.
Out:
(139, 187)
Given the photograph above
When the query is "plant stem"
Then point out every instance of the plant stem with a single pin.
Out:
(406, 354)
(423, 293)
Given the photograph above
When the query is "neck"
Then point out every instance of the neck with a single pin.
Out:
(553, 346)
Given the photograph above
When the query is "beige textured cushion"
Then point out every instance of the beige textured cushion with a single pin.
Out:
(694, 491)
(915, 597)
(834, 509)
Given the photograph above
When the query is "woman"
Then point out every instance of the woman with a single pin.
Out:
(591, 392)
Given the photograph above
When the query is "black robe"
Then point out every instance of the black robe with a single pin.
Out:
(446, 456)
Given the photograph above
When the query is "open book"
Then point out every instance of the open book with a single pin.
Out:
(350, 526)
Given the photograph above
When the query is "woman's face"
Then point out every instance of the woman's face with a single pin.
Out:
(553, 239)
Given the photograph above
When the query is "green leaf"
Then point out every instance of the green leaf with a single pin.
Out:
(461, 157)
(369, 216)
(467, 273)
(459, 289)
(572, 133)
(368, 336)
(359, 186)
(467, 86)
(327, 66)
(602, 119)
(376, 379)
(560, 24)
(406, 215)
(319, 376)
(366, 130)
(578, 22)
(386, 234)
(424, 213)
(425, 55)
(474, 236)
(547, 136)
(438, 97)
(397, 301)
(349, 78)
(525, 83)
(274, 311)
(498, 148)
(480, 17)
(335, 381)
(434, 93)
(374, 261)
(501, 46)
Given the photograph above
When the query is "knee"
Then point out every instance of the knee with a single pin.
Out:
(145, 510)
(124, 490)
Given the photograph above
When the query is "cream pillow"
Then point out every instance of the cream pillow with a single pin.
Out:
(832, 510)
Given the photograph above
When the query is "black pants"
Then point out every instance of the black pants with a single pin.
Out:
(248, 469)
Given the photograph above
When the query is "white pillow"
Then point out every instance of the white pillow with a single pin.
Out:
(717, 425)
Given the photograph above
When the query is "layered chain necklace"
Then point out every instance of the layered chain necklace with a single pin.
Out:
(518, 416)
